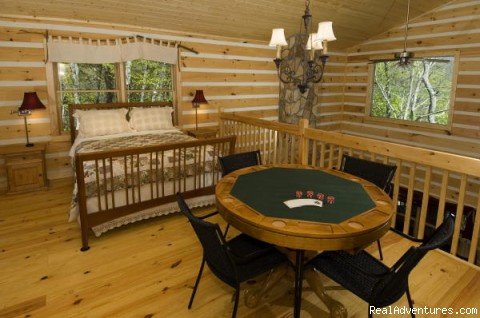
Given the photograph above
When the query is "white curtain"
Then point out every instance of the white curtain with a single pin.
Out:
(68, 50)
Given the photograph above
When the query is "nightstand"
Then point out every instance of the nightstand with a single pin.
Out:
(203, 133)
(25, 167)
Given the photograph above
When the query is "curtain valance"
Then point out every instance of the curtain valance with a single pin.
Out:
(81, 50)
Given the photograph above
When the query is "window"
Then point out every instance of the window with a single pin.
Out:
(419, 93)
(85, 84)
(148, 81)
(143, 81)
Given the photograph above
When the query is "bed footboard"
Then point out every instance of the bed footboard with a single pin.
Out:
(131, 180)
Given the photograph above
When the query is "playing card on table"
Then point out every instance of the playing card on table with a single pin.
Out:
(295, 203)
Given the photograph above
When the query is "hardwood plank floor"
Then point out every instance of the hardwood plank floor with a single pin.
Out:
(148, 269)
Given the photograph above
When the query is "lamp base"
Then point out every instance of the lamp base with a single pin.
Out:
(29, 145)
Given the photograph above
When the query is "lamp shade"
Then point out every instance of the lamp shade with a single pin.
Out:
(31, 102)
(199, 98)
(312, 44)
(278, 38)
(325, 32)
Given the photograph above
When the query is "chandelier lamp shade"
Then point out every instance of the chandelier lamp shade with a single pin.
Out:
(303, 62)
(198, 100)
(30, 102)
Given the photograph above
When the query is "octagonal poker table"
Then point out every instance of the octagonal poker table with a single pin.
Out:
(252, 200)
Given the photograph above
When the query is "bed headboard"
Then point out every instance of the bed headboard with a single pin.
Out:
(73, 107)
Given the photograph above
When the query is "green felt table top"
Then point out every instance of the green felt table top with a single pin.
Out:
(266, 190)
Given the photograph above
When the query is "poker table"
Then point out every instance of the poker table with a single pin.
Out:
(354, 212)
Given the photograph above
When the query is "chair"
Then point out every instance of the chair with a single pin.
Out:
(239, 160)
(373, 281)
(377, 173)
(235, 261)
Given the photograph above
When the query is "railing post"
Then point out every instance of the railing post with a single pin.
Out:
(221, 123)
(302, 144)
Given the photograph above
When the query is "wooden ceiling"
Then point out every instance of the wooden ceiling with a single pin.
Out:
(354, 20)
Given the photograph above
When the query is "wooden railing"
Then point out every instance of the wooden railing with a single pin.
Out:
(448, 178)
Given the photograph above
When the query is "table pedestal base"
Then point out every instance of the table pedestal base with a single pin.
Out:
(336, 309)
(254, 294)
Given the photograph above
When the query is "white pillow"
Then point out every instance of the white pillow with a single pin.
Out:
(102, 122)
(152, 118)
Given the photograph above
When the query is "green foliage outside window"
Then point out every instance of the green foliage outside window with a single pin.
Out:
(148, 81)
(420, 92)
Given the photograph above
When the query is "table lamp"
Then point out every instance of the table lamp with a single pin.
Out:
(30, 102)
(198, 100)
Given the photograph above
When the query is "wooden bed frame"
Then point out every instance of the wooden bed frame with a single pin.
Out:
(221, 146)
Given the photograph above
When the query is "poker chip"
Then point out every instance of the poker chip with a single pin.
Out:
(330, 199)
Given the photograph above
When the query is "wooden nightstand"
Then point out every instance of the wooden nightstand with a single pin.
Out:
(203, 133)
(25, 167)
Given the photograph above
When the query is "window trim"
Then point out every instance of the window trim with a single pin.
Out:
(402, 122)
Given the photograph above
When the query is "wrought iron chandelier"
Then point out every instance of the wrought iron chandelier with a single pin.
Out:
(303, 61)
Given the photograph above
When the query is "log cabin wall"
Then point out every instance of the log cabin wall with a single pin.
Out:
(235, 75)
(450, 28)
(330, 91)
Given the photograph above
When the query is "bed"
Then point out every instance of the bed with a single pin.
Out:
(129, 161)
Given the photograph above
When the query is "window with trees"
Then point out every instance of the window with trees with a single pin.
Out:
(420, 92)
(133, 81)
(148, 81)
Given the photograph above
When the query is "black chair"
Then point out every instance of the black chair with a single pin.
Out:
(377, 173)
(373, 281)
(239, 160)
(235, 261)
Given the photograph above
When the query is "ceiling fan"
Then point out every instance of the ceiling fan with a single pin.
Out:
(405, 57)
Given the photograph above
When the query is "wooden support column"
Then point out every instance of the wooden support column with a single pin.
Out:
(302, 142)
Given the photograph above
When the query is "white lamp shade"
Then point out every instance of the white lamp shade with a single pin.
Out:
(325, 32)
(316, 45)
(278, 38)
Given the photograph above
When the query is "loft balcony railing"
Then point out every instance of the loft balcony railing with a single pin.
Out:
(427, 183)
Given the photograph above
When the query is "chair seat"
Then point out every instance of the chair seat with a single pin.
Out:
(341, 267)
(253, 257)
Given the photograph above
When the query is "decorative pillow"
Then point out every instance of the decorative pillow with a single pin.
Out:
(152, 118)
(102, 122)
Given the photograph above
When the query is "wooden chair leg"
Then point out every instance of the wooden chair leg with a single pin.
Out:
(197, 281)
(380, 250)
(237, 298)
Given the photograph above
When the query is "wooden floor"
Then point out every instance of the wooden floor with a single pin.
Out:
(148, 269)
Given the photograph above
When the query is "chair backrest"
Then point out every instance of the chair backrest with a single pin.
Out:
(390, 288)
(239, 160)
(378, 173)
(214, 246)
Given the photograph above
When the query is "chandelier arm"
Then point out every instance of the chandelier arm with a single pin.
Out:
(301, 64)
